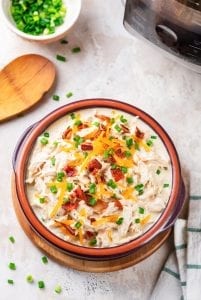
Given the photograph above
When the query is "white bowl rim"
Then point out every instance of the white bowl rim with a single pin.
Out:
(60, 30)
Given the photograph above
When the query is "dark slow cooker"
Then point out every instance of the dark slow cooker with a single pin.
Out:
(172, 25)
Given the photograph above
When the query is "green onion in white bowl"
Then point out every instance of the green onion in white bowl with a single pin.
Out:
(38, 17)
(40, 20)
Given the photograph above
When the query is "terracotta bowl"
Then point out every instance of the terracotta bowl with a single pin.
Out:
(166, 220)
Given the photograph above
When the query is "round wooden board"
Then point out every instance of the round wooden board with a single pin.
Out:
(82, 264)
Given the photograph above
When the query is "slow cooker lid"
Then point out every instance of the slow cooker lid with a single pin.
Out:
(185, 13)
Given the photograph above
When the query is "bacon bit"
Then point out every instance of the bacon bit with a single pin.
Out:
(67, 134)
(102, 127)
(70, 229)
(124, 129)
(111, 159)
(103, 118)
(118, 204)
(119, 153)
(92, 135)
(99, 176)
(100, 206)
(70, 171)
(80, 194)
(94, 164)
(92, 219)
(117, 174)
(70, 206)
(86, 147)
(102, 178)
(139, 134)
(89, 234)
(83, 125)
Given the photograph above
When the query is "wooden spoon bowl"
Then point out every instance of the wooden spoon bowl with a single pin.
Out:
(23, 82)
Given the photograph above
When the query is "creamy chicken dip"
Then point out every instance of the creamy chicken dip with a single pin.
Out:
(98, 177)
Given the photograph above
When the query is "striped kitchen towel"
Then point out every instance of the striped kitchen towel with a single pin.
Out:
(180, 278)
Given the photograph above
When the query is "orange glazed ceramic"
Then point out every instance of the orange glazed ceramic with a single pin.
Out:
(167, 218)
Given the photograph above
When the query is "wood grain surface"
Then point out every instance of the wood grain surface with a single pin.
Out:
(83, 264)
(23, 82)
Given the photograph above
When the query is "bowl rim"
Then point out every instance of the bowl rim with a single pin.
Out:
(52, 36)
(25, 151)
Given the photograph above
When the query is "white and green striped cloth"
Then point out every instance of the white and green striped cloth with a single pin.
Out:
(180, 278)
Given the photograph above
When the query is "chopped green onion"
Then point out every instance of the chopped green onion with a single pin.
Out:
(11, 238)
(129, 180)
(158, 172)
(60, 176)
(96, 124)
(117, 128)
(10, 281)
(55, 143)
(129, 142)
(140, 192)
(138, 187)
(92, 201)
(112, 121)
(128, 154)
(85, 154)
(93, 242)
(124, 169)
(53, 189)
(78, 140)
(120, 221)
(111, 184)
(44, 141)
(123, 120)
(78, 122)
(44, 259)
(55, 97)
(108, 153)
(58, 289)
(46, 134)
(76, 50)
(114, 166)
(53, 160)
(41, 284)
(136, 146)
(42, 200)
(64, 42)
(29, 278)
(166, 185)
(141, 210)
(78, 225)
(69, 186)
(137, 220)
(149, 143)
(92, 188)
(154, 137)
(70, 94)
(72, 116)
(38, 17)
(12, 266)
(60, 58)
(65, 200)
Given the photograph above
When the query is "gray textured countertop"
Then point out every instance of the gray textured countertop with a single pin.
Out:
(112, 64)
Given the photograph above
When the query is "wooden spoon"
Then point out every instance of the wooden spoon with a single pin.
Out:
(23, 82)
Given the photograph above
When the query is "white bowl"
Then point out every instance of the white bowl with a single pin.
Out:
(72, 14)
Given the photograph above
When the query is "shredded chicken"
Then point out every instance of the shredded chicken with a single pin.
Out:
(98, 178)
